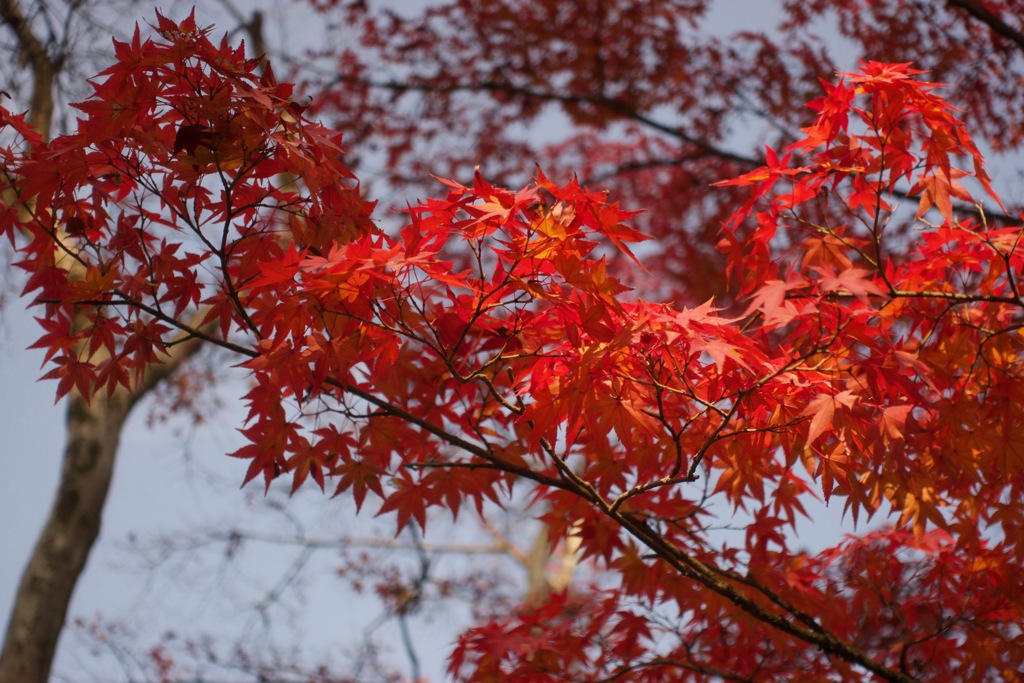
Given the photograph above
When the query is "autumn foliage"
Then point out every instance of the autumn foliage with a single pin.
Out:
(490, 346)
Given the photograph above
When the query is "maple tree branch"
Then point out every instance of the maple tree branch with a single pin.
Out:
(990, 19)
(713, 438)
(190, 328)
(454, 440)
(626, 111)
(664, 663)
(497, 548)
(455, 465)
(449, 438)
(650, 486)
(760, 587)
(737, 398)
(660, 162)
(273, 596)
(177, 351)
(690, 567)
(681, 561)
(407, 645)
(613, 105)
(694, 569)
(955, 298)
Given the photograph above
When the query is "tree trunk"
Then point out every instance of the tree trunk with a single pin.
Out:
(60, 554)
(41, 604)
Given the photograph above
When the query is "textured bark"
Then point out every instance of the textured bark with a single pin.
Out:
(60, 554)
(63, 547)
(40, 605)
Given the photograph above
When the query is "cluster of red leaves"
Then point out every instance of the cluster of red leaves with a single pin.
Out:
(144, 225)
(639, 97)
(652, 101)
(487, 344)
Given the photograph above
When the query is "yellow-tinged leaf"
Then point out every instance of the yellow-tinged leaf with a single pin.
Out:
(822, 409)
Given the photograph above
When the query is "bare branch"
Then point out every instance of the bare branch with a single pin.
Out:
(990, 19)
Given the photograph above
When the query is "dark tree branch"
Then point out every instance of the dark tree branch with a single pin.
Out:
(614, 106)
(991, 20)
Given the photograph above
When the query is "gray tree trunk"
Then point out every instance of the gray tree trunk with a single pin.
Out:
(62, 549)
(59, 557)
